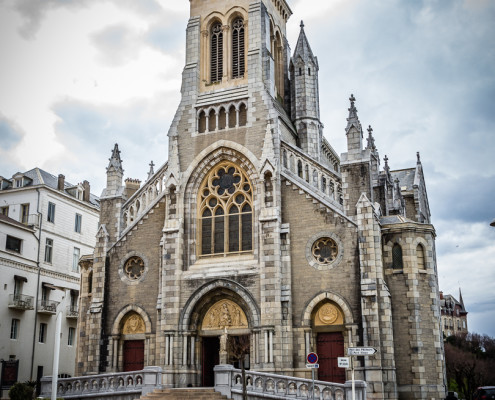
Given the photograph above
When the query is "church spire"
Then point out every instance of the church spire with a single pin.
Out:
(151, 172)
(370, 139)
(303, 49)
(353, 119)
(115, 161)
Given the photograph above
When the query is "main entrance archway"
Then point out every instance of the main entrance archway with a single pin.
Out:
(328, 320)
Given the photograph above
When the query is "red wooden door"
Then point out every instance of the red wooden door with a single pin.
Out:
(330, 346)
(133, 355)
(210, 358)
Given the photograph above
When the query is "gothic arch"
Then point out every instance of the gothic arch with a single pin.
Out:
(313, 303)
(190, 317)
(124, 311)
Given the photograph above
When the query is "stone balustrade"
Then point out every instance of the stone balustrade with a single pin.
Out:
(123, 385)
(260, 385)
(324, 181)
(145, 197)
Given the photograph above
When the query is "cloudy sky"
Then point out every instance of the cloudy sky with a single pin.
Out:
(77, 76)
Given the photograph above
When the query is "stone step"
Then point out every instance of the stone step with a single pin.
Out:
(184, 394)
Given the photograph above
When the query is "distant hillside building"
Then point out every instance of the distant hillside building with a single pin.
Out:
(255, 226)
(46, 224)
(454, 315)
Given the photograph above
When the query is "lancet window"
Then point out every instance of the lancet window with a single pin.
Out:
(225, 211)
(216, 56)
(238, 48)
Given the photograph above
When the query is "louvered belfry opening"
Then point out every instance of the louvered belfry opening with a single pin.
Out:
(216, 66)
(238, 48)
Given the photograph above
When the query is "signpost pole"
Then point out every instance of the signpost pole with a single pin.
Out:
(313, 388)
(353, 384)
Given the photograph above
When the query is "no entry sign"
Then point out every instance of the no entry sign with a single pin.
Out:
(312, 358)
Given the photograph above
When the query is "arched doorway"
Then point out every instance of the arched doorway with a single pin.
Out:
(133, 336)
(328, 322)
(225, 338)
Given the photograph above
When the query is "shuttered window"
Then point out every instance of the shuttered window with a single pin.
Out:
(216, 60)
(238, 48)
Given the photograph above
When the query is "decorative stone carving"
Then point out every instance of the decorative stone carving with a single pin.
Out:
(224, 314)
(134, 324)
(328, 314)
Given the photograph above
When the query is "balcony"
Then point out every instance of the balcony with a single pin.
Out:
(47, 306)
(21, 302)
(72, 312)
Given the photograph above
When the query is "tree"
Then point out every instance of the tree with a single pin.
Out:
(239, 347)
(470, 362)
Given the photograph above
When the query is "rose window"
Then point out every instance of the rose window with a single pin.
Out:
(325, 250)
(134, 268)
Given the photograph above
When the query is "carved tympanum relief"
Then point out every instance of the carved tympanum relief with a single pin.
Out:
(328, 314)
(224, 314)
(133, 324)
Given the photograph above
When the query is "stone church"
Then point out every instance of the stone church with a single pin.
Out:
(256, 227)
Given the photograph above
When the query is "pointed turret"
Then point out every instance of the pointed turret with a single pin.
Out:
(115, 173)
(305, 105)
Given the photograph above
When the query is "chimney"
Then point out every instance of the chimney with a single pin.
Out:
(86, 191)
(61, 182)
(131, 186)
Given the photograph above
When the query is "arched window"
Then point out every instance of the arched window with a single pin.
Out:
(202, 122)
(397, 257)
(216, 53)
(212, 121)
(242, 115)
(238, 48)
(222, 119)
(90, 282)
(420, 256)
(226, 211)
(232, 117)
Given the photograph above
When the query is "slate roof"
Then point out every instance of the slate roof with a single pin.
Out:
(41, 177)
(394, 219)
(406, 177)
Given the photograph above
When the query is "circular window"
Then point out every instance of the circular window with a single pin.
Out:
(324, 250)
(134, 268)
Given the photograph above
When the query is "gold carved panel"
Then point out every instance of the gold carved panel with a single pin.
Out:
(224, 314)
(133, 324)
(328, 314)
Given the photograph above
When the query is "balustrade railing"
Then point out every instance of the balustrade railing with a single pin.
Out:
(93, 386)
(21, 302)
(228, 381)
(320, 179)
(145, 197)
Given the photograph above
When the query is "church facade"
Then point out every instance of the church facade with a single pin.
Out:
(255, 228)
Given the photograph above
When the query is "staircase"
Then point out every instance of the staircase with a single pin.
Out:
(184, 394)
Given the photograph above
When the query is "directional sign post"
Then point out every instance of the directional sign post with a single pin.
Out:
(312, 360)
(361, 351)
(358, 351)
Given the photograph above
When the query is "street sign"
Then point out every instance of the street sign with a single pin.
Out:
(312, 365)
(343, 362)
(361, 351)
(312, 358)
